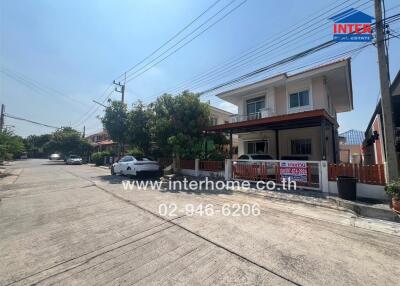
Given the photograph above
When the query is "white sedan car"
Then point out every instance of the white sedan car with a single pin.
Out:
(129, 165)
(73, 160)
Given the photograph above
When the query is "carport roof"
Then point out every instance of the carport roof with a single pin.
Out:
(287, 121)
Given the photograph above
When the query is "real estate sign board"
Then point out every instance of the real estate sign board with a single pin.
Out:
(295, 170)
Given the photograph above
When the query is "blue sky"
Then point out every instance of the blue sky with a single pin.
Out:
(72, 50)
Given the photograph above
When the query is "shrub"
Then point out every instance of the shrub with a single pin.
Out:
(135, 152)
(393, 189)
(216, 156)
(98, 157)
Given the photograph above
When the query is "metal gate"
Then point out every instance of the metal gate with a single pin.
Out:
(306, 174)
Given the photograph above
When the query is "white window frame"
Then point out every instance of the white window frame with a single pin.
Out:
(250, 97)
(213, 121)
(254, 141)
(299, 88)
(257, 99)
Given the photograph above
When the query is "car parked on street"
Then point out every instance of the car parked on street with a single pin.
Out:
(55, 156)
(73, 160)
(132, 166)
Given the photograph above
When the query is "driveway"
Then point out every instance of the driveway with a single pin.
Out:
(76, 225)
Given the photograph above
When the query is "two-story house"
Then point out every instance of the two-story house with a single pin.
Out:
(374, 143)
(291, 116)
(219, 116)
(101, 142)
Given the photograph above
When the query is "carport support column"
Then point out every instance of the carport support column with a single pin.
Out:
(205, 146)
(196, 167)
(277, 143)
(324, 176)
(323, 142)
(228, 169)
(230, 145)
(334, 146)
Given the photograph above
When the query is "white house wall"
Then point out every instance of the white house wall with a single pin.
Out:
(278, 96)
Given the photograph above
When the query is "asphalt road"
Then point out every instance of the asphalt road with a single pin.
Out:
(75, 225)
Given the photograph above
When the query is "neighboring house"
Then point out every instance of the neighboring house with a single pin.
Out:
(350, 147)
(101, 142)
(374, 146)
(219, 116)
(292, 116)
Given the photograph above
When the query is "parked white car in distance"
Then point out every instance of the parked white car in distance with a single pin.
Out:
(54, 157)
(129, 165)
(73, 160)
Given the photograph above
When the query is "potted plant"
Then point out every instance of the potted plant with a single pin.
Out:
(393, 190)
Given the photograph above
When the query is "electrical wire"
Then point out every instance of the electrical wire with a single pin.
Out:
(135, 75)
(36, 86)
(169, 40)
(30, 121)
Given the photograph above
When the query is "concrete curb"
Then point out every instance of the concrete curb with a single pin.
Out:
(366, 210)
(283, 197)
(102, 167)
(356, 208)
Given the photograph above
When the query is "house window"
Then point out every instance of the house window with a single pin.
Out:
(257, 147)
(301, 147)
(213, 121)
(254, 107)
(299, 99)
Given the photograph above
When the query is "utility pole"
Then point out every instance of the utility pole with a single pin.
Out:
(84, 129)
(121, 88)
(3, 108)
(122, 91)
(386, 100)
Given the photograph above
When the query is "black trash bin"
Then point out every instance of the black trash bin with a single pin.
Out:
(347, 187)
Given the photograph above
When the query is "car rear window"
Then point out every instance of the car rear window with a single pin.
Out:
(73, 157)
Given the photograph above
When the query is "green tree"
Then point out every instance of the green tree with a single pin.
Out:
(139, 127)
(34, 145)
(179, 124)
(67, 141)
(11, 145)
(115, 122)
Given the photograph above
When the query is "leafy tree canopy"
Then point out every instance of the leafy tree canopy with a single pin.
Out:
(11, 145)
(67, 141)
(179, 123)
(139, 127)
(115, 121)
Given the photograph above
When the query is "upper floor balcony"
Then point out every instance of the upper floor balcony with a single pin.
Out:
(326, 87)
(262, 113)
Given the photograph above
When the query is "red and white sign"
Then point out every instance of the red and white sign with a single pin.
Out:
(295, 170)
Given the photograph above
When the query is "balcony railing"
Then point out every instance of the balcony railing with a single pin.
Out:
(265, 112)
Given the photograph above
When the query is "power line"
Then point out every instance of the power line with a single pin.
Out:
(132, 77)
(217, 73)
(267, 42)
(147, 57)
(30, 121)
(187, 42)
(285, 60)
(37, 86)
(248, 57)
(169, 40)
